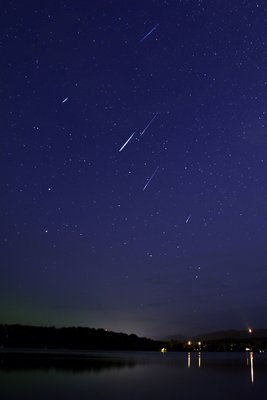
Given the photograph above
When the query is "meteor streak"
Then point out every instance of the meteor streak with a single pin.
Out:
(150, 179)
(148, 125)
(127, 141)
(149, 33)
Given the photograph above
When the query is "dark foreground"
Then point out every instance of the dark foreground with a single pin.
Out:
(135, 375)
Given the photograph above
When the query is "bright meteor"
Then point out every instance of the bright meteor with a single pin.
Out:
(127, 141)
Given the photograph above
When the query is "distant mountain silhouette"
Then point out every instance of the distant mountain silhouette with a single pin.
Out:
(230, 340)
(220, 335)
(176, 338)
(233, 334)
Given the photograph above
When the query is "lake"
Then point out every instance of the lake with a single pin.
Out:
(133, 376)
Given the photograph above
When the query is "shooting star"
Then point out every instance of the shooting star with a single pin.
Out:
(150, 179)
(148, 125)
(188, 218)
(149, 33)
(64, 101)
(127, 141)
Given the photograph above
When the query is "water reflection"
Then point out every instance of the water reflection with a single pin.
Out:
(251, 367)
(189, 359)
(199, 359)
(222, 363)
(249, 363)
(140, 375)
(63, 362)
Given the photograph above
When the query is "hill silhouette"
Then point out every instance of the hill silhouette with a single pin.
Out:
(35, 337)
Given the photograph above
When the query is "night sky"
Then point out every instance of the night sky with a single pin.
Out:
(164, 233)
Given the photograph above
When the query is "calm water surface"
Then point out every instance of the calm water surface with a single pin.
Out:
(98, 376)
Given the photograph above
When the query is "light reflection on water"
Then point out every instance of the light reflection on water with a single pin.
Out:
(250, 363)
(199, 359)
(133, 376)
(251, 366)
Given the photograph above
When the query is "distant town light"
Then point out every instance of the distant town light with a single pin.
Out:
(249, 330)
(163, 350)
(189, 342)
(199, 343)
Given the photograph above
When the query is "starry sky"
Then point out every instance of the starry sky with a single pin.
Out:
(134, 164)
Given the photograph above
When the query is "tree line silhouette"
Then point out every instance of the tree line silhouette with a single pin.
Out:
(34, 337)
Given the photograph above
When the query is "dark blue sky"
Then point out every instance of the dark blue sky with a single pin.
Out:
(87, 238)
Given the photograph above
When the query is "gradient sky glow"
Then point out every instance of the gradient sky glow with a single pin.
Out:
(82, 242)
